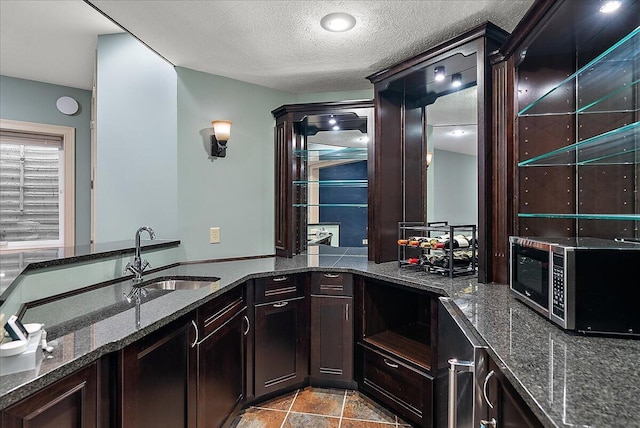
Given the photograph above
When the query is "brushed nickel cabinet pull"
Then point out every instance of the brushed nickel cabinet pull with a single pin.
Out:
(390, 364)
(280, 304)
(195, 326)
(280, 279)
(248, 325)
(346, 312)
(331, 275)
(484, 388)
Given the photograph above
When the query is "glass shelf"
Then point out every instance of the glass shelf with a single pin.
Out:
(612, 75)
(632, 217)
(330, 205)
(620, 146)
(347, 153)
(332, 183)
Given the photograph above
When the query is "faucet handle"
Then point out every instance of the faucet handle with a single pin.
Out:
(145, 264)
(127, 268)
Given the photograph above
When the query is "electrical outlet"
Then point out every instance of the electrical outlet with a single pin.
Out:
(214, 235)
(365, 241)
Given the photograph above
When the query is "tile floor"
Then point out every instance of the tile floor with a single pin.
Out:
(318, 408)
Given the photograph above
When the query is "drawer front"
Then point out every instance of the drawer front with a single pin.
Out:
(332, 283)
(279, 288)
(401, 387)
(221, 309)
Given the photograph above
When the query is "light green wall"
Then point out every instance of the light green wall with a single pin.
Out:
(136, 141)
(31, 101)
(234, 193)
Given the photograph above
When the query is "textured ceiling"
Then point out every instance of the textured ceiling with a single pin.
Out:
(277, 44)
(50, 41)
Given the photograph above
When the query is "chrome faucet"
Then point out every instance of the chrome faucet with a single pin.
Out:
(138, 265)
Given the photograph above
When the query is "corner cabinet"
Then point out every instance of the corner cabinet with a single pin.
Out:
(572, 103)
(305, 144)
(332, 329)
(281, 332)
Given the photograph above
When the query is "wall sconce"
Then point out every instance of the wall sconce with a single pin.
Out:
(429, 158)
(438, 73)
(221, 134)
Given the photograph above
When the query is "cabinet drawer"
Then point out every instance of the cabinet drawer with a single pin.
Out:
(401, 387)
(332, 283)
(215, 313)
(277, 288)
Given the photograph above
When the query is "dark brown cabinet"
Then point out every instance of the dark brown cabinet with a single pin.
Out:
(396, 347)
(220, 358)
(281, 345)
(332, 329)
(509, 410)
(69, 402)
(154, 376)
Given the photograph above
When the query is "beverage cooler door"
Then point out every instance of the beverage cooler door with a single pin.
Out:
(462, 363)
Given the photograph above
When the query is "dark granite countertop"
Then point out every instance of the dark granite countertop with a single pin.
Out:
(567, 380)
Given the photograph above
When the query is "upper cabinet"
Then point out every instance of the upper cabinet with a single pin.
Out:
(431, 158)
(321, 168)
(570, 124)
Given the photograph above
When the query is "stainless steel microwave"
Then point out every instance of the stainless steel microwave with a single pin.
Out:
(587, 285)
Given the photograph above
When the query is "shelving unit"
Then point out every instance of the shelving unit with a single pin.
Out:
(579, 142)
(457, 261)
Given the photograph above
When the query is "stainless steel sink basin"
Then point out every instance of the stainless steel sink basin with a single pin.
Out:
(178, 284)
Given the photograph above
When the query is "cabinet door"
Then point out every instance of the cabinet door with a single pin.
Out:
(281, 354)
(68, 403)
(332, 338)
(154, 376)
(221, 371)
(509, 409)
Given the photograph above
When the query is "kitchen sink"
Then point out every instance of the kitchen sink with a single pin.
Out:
(179, 284)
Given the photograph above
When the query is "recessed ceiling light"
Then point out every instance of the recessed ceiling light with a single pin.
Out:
(336, 128)
(456, 80)
(458, 132)
(438, 73)
(610, 6)
(338, 22)
(332, 121)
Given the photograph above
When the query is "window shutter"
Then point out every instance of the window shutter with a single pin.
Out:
(29, 186)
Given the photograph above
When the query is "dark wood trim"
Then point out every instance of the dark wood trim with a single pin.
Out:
(525, 29)
(486, 29)
(323, 107)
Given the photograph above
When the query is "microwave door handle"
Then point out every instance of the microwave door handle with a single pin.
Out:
(456, 367)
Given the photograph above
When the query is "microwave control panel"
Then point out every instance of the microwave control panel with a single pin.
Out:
(558, 291)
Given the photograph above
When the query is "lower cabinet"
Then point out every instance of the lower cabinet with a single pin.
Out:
(281, 345)
(221, 366)
(396, 384)
(509, 409)
(154, 376)
(69, 402)
(332, 329)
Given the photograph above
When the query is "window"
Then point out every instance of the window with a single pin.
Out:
(36, 185)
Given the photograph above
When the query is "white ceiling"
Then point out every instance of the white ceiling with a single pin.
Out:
(277, 44)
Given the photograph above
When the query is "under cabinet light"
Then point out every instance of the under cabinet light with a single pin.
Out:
(438, 73)
(610, 6)
(456, 80)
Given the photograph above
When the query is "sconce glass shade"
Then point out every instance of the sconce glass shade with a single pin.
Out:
(222, 129)
(429, 158)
